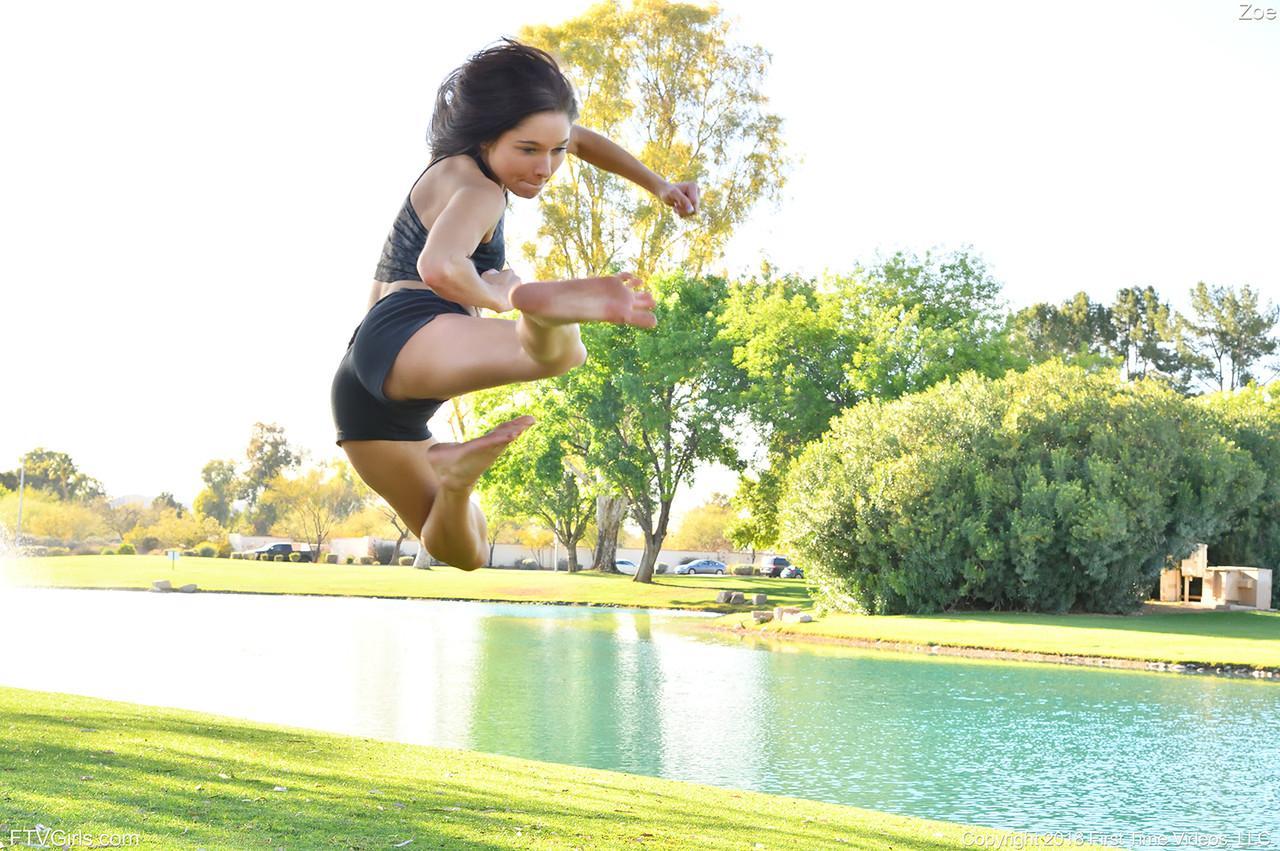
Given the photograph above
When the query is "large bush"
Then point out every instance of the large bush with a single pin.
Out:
(1048, 490)
(1251, 418)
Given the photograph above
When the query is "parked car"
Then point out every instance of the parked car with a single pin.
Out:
(626, 565)
(792, 572)
(270, 551)
(774, 565)
(702, 565)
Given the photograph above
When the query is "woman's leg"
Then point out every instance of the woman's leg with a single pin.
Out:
(454, 354)
(429, 484)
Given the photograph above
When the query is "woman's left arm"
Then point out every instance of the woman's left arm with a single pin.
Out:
(602, 153)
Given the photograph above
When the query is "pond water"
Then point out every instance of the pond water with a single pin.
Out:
(1039, 748)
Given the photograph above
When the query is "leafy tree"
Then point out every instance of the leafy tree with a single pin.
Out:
(669, 81)
(310, 506)
(1078, 331)
(221, 485)
(269, 454)
(1045, 490)
(704, 527)
(45, 515)
(809, 349)
(122, 518)
(56, 473)
(168, 502)
(754, 524)
(1147, 334)
(540, 476)
(166, 527)
(649, 405)
(498, 526)
(1250, 418)
(1230, 333)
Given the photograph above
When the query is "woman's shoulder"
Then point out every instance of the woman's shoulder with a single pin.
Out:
(444, 179)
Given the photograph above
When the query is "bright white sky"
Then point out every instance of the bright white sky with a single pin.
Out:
(195, 195)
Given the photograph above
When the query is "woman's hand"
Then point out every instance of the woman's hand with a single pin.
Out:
(681, 197)
(503, 281)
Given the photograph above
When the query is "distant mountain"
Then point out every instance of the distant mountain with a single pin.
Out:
(131, 499)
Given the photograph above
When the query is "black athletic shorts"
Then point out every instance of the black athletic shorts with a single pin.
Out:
(360, 409)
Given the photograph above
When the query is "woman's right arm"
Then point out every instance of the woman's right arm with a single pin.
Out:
(445, 264)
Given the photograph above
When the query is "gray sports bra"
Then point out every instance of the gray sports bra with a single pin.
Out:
(399, 261)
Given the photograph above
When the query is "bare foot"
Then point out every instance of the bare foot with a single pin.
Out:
(618, 299)
(459, 465)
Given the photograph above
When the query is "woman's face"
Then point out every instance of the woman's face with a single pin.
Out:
(525, 157)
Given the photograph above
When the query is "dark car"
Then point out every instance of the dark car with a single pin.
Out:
(774, 565)
(270, 551)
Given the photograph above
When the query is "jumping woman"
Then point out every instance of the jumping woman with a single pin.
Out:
(503, 123)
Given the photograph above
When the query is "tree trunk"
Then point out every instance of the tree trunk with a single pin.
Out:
(649, 560)
(395, 558)
(654, 535)
(610, 509)
(571, 555)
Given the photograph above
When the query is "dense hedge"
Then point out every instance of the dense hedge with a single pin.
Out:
(1251, 418)
(1049, 490)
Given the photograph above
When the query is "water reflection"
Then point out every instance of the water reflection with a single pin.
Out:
(1032, 747)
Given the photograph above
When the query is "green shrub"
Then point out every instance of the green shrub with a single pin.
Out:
(661, 567)
(406, 561)
(1251, 419)
(190, 553)
(206, 551)
(1050, 490)
(237, 555)
(57, 551)
(126, 550)
(331, 558)
(350, 560)
(108, 551)
(295, 557)
(742, 570)
(148, 544)
(367, 559)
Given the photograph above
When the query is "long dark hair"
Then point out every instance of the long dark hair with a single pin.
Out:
(492, 92)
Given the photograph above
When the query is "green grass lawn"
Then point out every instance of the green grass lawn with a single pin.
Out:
(588, 587)
(183, 779)
(1211, 638)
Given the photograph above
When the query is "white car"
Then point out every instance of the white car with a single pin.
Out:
(626, 565)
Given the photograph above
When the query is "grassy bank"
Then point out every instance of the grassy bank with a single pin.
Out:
(183, 779)
(586, 587)
(1250, 639)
